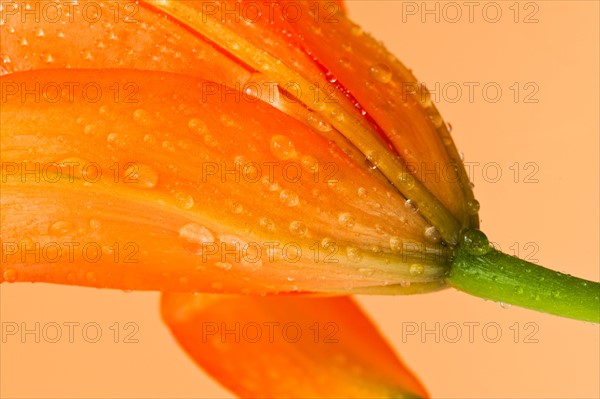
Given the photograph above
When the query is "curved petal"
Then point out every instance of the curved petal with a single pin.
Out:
(288, 346)
(395, 99)
(257, 48)
(216, 195)
(227, 43)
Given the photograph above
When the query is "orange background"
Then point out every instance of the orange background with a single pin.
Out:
(558, 214)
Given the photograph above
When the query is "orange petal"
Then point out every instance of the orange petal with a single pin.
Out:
(395, 99)
(211, 194)
(288, 346)
(117, 34)
(200, 38)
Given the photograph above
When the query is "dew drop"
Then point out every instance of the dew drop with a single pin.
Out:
(416, 269)
(223, 265)
(366, 271)
(197, 126)
(519, 290)
(336, 115)
(267, 224)
(381, 73)
(211, 141)
(346, 220)
(298, 228)
(236, 207)
(90, 130)
(195, 238)
(437, 121)
(61, 228)
(432, 234)
(318, 123)
(353, 254)
(476, 242)
(411, 206)
(149, 139)
(95, 224)
(184, 200)
(10, 275)
(141, 117)
(71, 278)
(395, 243)
(289, 198)
(309, 164)
(226, 120)
(362, 192)
(356, 30)
(473, 207)
(318, 105)
(374, 159)
(327, 242)
(271, 185)
(142, 175)
(90, 277)
(283, 147)
(112, 138)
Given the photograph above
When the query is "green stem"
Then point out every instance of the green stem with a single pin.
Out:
(480, 270)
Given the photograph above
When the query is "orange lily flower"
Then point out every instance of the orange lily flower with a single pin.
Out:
(181, 141)
(187, 167)
(181, 148)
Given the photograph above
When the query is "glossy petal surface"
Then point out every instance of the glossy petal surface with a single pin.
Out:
(288, 346)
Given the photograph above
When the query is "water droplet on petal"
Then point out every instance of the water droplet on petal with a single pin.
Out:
(223, 265)
(366, 271)
(267, 224)
(142, 117)
(411, 206)
(61, 228)
(298, 228)
(346, 220)
(90, 130)
(395, 244)
(184, 200)
(143, 176)
(90, 277)
(197, 126)
(289, 198)
(10, 275)
(473, 207)
(356, 30)
(211, 141)
(416, 269)
(437, 121)
(95, 224)
(310, 164)
(354, 254)
(318, 123)
(283, 148)
(236, 207)
(432, 234)
(362, 192)
(195, 238)
(381, 73)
